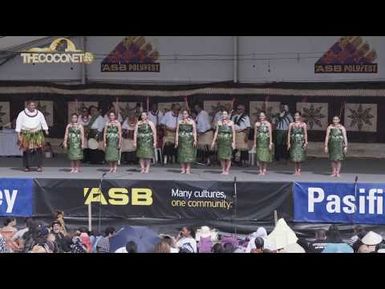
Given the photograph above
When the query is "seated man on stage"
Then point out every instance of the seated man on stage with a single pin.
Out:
(30, 124)
(95, 136)
(170, 122)
(242, 127)
(205, 134)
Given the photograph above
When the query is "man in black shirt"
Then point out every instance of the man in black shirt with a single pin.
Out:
(319, 244)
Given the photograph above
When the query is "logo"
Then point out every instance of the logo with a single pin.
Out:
(133, 54)
(119, 196)
(61, 50)
(348, 55)
(345, 203)
(16, 197)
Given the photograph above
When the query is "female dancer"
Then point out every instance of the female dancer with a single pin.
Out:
(225, 133)
(336, 144)
(112, 141)
(74, 141)
(297, 142)
(186, 142)
(145, 142)
(263, 143)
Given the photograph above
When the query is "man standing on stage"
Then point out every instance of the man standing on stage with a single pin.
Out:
(282, 122)
(205, 133)
(30, 124)
(170, 122)
(242, 128)
(155, 115)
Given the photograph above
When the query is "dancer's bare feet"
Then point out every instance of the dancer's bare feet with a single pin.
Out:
(183, 172)
(338, 175)
(226, 173)
(72, 170)
(260, 173)
(223, 173)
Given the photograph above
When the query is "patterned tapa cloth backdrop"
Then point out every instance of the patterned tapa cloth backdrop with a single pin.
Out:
(4, 113)
(46, 108)
(361, 117)
(314, 114)
(213, 106)
(271, 108)
(166, 106)
(76, 107)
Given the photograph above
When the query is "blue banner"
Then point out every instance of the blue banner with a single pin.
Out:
(361, 203)
(16, 197)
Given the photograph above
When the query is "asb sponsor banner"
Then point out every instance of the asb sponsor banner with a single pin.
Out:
(163, 200)
(16, 197)
(362, 203)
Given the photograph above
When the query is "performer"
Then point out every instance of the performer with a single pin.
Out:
(128, 144)
(225, 134)
(263, 142)
(205, 134)
(242, 128)
(145, 142)
(170, 122)
(297, 142)
(29, 125)
(186, 142)
(95, 131)
(282, 122)
(74, 141)
(336, 144)
(112, 141)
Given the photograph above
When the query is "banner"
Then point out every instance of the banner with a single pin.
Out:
(16, 197)
(163, 200)
(362, 203)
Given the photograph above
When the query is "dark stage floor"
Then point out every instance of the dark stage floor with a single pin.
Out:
(314, 170)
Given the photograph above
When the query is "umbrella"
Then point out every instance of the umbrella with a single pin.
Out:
(282, 235)
(337, 248)
(144, 237)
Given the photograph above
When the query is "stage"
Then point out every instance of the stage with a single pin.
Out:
(166, 199)
(314, 170)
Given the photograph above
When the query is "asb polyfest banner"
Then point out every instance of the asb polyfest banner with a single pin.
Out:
(361, 203)
(16, 197)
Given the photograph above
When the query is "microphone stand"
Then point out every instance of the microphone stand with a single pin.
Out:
(100, 203)
(235, 205)
(355, 198)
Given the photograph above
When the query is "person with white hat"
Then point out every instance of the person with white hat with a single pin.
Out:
(262, 233)
(205, 236)
(369, 242)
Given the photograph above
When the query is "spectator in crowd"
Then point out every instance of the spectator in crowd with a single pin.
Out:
(320, 241)
(171, 242)
(51, 241)
(3, 245)
(59, 216)
(86, 241)
(186, 240)
(131, 247)
(217, 248)
(259, 245)
(8, 231)
(162, 247)
(62, 241)
(261, 232)
(103, 246)
(355, 241)
(370, 242)
(18, 236)
(335, 243)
